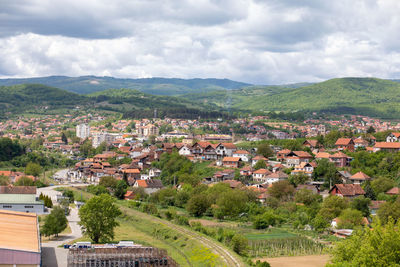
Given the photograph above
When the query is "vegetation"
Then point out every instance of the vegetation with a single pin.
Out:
(55, 222)
(98, 218)
(367, 247)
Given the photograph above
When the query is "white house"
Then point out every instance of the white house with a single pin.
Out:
(243, 154)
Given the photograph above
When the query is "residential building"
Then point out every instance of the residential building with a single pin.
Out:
(102, 137)
(393, 137)
(19, 239)
(276, 177)
(243, 154)
(386, 146)
(345, 144)
(231, 162)
(149, 186)
(83, 131)
(260, 175)
(147, 130)
(347, 190)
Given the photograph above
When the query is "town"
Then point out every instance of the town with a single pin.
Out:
(310, 183)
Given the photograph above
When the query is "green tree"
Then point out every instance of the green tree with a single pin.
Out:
(232, 203)
(307, 197)
(281, 190)
(320, 224)
(33, 169)
(26, 181)
(197, 205)
(266, 219)
(389, 210)
(108, 182)
(64, 138)
(55, 222)
(120, 189)
(298, 179)
(382, 184)
(371, 130)
(98, 218)
(366, 247)
(326, 171)
(4, 180)
(265, 150)
(350, 218)
(332, 206)
(260, 165)
(240, 244)
(361, 203)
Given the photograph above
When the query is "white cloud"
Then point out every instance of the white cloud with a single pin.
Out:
(263, 42)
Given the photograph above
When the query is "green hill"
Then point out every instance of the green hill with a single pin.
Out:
(365, 96)
(42, 99)
(157, 86)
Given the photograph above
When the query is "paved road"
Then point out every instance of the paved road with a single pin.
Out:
(52, 255)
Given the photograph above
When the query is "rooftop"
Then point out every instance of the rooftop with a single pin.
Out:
(19, 231)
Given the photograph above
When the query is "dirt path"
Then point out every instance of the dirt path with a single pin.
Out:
(228, 257)
(298, 261)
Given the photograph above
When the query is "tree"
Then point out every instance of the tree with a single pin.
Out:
(281, 190)
(327, 172)
(4, 180)
(26, 181)
(265, 150)
(232, 203)
(64, 138)
(361, 203)
(240, 244)
(33, 169)
(366, 247)
(98, 218)
(332, 206)
(381, 185)
(260, 165)
(307, 197)
(371, 130)
(350, 218)
(320, 224)
(369, 192)
(197, 205)
(266, 219)
(389, 210)
(108, 182)
(298, 179)
(120, 189)
(55, 222)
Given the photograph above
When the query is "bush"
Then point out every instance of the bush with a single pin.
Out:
(240, 244)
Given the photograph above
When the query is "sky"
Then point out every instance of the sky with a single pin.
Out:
(254, 41)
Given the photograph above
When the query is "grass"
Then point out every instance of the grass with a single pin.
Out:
(151, 231)
(273, 233)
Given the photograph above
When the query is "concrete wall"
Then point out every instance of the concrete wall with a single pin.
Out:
(32, 208)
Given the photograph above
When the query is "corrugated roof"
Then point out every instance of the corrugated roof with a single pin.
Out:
(19, 231)
(19, 198)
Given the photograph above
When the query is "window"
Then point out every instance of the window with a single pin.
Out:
(28, 207)
(7, 207)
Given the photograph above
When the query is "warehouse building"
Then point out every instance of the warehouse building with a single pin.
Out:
(20, 198)
(19, 239)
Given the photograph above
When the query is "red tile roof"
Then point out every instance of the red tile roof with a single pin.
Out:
(389, 145)
(393, 191)
(344, 141)
(360, 176)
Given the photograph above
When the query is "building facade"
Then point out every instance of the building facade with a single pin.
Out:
(83, 131)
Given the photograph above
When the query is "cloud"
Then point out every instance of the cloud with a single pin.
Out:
(262, 42)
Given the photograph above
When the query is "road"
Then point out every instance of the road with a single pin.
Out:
(52, 255)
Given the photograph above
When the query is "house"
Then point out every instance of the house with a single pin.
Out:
(149, 186)
(359, 177)
(210, 152)
(154, 172)
(322, 155)
(360, 143)
(387, 146)
(345, 176)
(225, 149)
(311, 143)
(129, 195)
(246, 171)
(20, 198)
(393, 137)
(260, 175)
(223, 175)
(20, 239)
(296, 157)
(257, 158)
(276, 177)
(185, 150)
(345, 144)
(374, 206)
(306, 168)
(281, 155)
(395, 191)
(231, 162)
(233, 184)
(347, 190)
(340, 159)
(243, 154)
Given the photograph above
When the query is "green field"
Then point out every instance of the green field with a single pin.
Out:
(274, 233)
